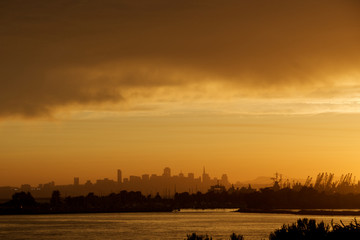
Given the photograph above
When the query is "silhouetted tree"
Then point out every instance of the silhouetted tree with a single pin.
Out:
(55, 200)
(194, 236)
(236, 237)
(23, 200)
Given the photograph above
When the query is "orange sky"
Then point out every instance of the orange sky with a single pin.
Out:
(245, 88)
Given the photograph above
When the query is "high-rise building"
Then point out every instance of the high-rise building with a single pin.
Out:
(224, 179)
(119, 176)
(145, 177)
(167, 172)
(76, 181)
(205, 177)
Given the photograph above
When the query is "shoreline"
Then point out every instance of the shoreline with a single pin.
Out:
(79, 212)
(319, 212)
(324, 212)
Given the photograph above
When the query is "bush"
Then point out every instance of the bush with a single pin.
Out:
(236, 237)
(305, 229)
(194, 236)
(342, 231)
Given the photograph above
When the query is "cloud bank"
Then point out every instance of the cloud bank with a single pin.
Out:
(56, 54)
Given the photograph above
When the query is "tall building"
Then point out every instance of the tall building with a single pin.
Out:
(224, 179)
(76, 181)
(167, 172)
(145, 177)
(119, 176)
(205, 177)
(191, 176)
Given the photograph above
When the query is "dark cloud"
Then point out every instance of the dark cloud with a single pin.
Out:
(47, 47)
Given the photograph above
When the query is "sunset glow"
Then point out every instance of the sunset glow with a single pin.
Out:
(247, 88)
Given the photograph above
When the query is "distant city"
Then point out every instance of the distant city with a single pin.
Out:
(166, 185)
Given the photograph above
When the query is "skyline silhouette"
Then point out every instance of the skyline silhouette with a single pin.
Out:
(168, 184)
(326, 197)
(165, 184)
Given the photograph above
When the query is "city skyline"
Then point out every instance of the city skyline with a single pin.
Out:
(165, 184)
(168, 184)
(121, 178)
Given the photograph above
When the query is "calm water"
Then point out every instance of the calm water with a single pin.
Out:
(217, 223)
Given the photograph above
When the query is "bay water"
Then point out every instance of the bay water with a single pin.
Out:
(218, 223)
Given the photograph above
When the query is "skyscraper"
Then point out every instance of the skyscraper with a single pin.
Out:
(205, 177)
(76, 181)
(119, 176)
(167, 172)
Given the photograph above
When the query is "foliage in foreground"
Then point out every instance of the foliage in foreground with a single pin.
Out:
(304, 229)
(194, 236)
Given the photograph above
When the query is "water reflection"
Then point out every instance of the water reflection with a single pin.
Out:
(218, 223)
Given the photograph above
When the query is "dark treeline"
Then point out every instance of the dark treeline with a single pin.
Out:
(267, 198)
(24, 203)
(245, 198)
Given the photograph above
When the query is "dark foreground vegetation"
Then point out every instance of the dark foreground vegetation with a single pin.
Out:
(304, 229)
(194, 236)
